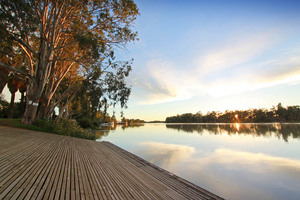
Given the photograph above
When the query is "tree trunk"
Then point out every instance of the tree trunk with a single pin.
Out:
(22, 102)
(42, 109)
(34, 93)
(11, 105)
(54, 80)
(63, 109)
(36, 87)
(31, 106)
(51, 110)
(22, 90)
(45, 108)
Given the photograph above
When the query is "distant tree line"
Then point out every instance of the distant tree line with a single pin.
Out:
(275, 114)
(133, 122)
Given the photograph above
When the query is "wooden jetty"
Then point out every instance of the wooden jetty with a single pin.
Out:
(36, 165)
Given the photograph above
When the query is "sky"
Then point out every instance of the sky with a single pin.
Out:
(213, 55)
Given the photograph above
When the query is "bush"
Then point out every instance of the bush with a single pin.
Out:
(4, 108)
(62, 127)
(85, 123)
(72, 128)
(44, 125)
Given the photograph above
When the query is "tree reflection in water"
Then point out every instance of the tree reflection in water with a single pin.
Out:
(105, 130)
(280, 130)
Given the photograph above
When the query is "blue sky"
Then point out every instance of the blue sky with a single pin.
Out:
(213, 55)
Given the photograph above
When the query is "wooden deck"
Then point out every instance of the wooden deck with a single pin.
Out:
(35, 165)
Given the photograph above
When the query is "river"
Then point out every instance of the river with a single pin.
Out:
(234, 161)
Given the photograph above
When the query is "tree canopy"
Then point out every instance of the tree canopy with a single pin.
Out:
(47, 40)
(275, 114)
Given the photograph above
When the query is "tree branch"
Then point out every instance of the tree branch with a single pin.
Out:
(16, 70)
(27, 46)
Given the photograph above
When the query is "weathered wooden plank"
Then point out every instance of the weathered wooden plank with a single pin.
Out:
(143, 182)
(16, 159)
(76, 178)
(48, 180)
(36, 165)
(163, 176)
(72, 178)
(50, 183)
(56, 190)
(34, 184)
(21, 175)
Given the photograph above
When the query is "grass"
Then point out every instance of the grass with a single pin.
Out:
(62, 127)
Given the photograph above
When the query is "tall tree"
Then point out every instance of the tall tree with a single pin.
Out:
(57, 35)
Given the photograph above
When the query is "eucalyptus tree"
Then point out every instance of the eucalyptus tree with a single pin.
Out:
(57, 35)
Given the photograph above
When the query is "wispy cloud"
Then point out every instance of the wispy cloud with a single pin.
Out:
(161, 82)
(235, 51)
(238, 65)
(248, 64)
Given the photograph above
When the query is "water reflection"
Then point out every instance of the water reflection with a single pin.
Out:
(105, 130)
(266, 177)
(250, 164)
(224, 170)
(283, 131)
(165, 155)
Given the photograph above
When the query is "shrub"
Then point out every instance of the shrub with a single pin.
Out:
(4, 108)
(62, 127)
(72, 128)
(85, 122)
(44, 125)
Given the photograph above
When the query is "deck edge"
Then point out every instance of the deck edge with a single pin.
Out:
(173, 176)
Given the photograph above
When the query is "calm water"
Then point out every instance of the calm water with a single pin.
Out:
(235, 161)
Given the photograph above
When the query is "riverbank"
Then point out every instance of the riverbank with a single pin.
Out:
(37, 165)
(62, 127)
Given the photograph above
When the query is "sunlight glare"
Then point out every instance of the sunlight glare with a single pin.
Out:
(237, 126)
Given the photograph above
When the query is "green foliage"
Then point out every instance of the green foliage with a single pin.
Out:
(15, 123)
(46, 126)
(18, 18)
(64, 36)
(132, 122)
(4, 107)
(85, 122)
(101, 89)
(62, 127)
(72, 128)
(279, 114)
